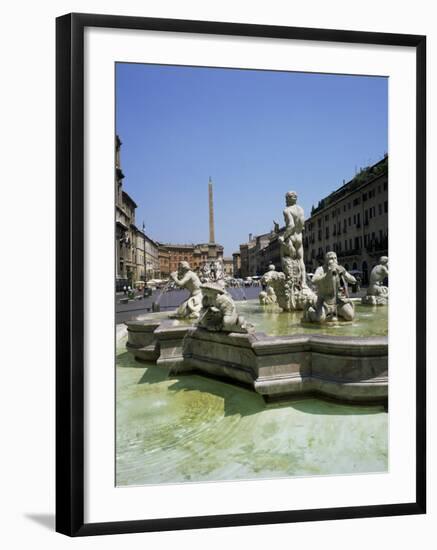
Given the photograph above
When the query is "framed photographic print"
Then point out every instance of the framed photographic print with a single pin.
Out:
(240, 274)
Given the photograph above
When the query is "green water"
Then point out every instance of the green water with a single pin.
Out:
(369, 321)
(190, 428)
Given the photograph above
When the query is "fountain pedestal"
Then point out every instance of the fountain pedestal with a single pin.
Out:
(346, 368)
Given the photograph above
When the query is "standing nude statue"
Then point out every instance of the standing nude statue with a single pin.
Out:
(291, 240)
(330, 303)
(185, 278)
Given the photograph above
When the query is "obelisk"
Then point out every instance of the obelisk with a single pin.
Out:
(211, 213)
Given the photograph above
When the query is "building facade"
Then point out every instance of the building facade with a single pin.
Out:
(251, 255)
(236, 260)
(228, 267)
(352, 221)
(136, 254)
(195, 254)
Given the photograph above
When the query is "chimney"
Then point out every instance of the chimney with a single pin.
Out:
(250, 236)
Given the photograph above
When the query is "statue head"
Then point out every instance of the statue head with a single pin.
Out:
(290, 198)
(330, 257)
(272, 267)
(184, 267)
(383, 260)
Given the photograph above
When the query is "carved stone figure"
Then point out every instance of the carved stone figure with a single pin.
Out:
(205, 272)
(212, 271)
(332, 300)
(292, 292)
(268, 296)
(377, 293)
(185, 278)
(219, 313)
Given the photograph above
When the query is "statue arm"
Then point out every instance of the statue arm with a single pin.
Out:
(318, 275)
(183, 281)
(349, 278)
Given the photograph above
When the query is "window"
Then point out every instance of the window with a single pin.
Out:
(364, 197)
(385, 207)
(379, 209)
(327, 232)
(349, 221)
(355, 219)
(385, 186)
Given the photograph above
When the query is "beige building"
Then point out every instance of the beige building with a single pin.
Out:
(195, 254)
(136, 254)
(352, 221)
(251, 254)
(228, 267)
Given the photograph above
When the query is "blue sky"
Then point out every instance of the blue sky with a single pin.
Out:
(257, 134)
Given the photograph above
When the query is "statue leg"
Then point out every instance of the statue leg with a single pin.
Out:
(317, 313)
(346, 311)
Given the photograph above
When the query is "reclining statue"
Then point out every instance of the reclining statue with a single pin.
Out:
(377, 293)
(185, 278)
(332, 302)
(219, 313)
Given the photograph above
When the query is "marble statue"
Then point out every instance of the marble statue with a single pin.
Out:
(292, 290)
(212, 271)
(185, 278)
(268, 296)
(219, 313)
(377, 293)
(291, 241)
(205, 272)
(332, 301)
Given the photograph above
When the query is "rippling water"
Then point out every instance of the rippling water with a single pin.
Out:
(190, 428)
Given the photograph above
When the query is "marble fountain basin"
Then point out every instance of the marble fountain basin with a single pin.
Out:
(282, 359)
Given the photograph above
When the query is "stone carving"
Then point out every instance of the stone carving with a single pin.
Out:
(212, 271)
(219, 313)
(377, 293)
(332, 301)
(292, 290)
(267, 297)
(185, 278)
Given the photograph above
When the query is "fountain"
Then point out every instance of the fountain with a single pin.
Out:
(311, 342)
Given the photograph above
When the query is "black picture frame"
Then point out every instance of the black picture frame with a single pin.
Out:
(70, 273)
